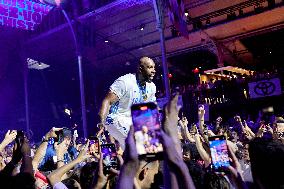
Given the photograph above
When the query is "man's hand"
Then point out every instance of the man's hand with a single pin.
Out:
(25, 148)
(171, 117)
(83, 155)
(238, 119)
(219, 120)
(10, 136)
(201, 112)
(130, 153)
(52, 133)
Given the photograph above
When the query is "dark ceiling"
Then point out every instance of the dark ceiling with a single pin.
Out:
(267, 49)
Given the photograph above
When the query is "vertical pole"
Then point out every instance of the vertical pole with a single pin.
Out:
(81, 77)
(82, 90)
(159, 12)
(26, 97)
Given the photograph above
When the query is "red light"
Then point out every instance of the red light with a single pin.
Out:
(143, 108)
(196, 70)
(170, 75)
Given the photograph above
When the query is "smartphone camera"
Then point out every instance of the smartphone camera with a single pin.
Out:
(147, 127)
(109, 157)
(219, 152)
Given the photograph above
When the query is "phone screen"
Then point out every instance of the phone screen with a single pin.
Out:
(109, 157)
(147, 126)
(94, 145)
(219, 152)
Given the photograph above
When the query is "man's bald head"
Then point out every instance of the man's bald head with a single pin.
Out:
(146, 68)
(145, 60)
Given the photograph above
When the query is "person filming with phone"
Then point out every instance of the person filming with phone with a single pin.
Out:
(127, 90)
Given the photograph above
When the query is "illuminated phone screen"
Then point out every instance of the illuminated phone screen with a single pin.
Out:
(146, 124)
(219, 152)
(109, 156)
(94, 147)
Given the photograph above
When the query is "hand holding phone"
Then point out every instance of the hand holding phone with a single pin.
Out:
(219, 152)
(147, 127)
(110, 159)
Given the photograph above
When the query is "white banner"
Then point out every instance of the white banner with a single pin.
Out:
(263, 88)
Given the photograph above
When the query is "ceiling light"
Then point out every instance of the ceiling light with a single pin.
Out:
(106, 41)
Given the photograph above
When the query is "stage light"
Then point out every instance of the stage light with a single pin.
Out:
(106, 41)
(142, 27)
(186, 13)
(195, 71)
(170, 75)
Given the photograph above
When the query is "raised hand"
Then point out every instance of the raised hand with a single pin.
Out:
(83, 155)
(10, 136)
(201, 111)
(52, 133)
(238, 118)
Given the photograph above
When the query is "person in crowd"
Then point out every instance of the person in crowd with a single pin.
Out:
(125, 91)
(256, 157)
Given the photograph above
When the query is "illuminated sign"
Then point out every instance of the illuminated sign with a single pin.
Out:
(22, 14)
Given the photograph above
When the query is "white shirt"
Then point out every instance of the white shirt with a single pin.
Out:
(128, 92)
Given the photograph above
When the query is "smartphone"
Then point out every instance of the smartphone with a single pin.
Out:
(20, 137)
(75, 133)
(219, 152)
(109, 157)
(93, 145)
(146, 123)
(59, 137)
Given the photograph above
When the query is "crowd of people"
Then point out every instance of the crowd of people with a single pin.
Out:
(256, 154)
(250, 154)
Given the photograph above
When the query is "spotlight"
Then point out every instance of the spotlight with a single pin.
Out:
(106, 41)
(186, 13)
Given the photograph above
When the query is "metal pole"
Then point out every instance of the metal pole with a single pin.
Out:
(159, 12)
(26, 97)
(81, 77)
